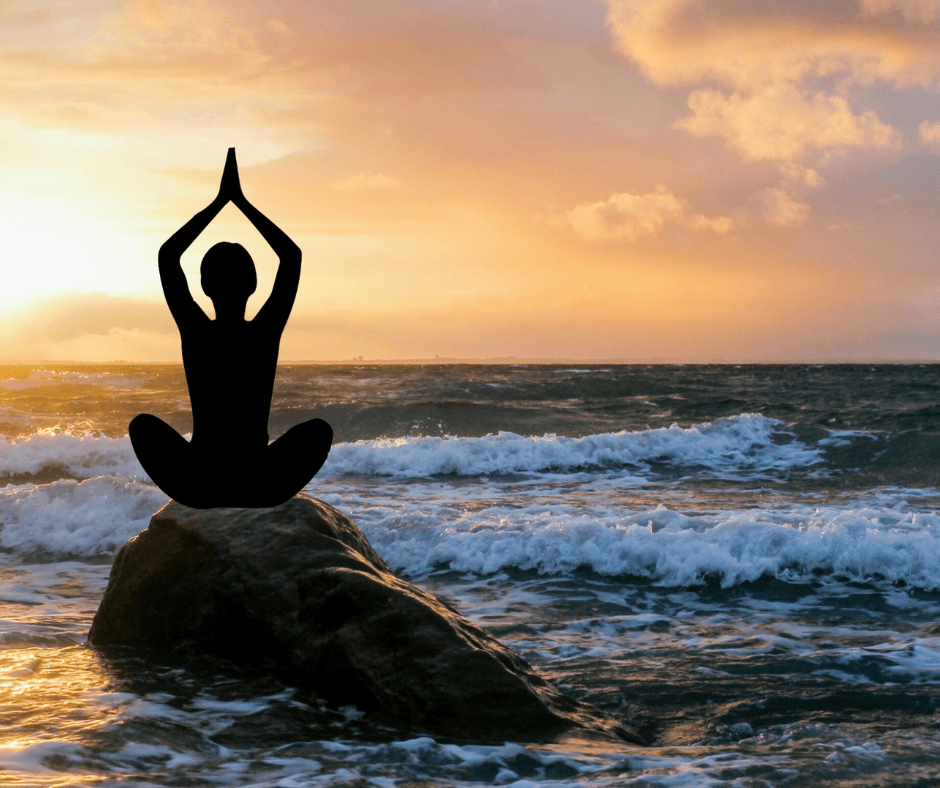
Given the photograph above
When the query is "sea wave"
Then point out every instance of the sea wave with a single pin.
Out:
(883, 543)
(736, 446)
(68, 518)
(743, 446)
(47, 456)
(871, 544)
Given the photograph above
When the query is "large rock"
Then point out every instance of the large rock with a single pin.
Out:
(299, 588)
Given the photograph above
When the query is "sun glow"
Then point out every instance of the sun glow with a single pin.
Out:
(38, 252)
(51, 246)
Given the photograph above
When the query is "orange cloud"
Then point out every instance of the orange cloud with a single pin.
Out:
(775, 206)
(91, 327)
(788, 67)
(632, 215)
(750, 46)
(167, 36)
(911, 10)
(782, 83)
(782, 123)
(930, 133)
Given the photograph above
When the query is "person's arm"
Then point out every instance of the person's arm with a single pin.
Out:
(175, 286)
(281, 300)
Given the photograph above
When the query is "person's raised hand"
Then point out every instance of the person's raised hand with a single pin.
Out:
(231, 187)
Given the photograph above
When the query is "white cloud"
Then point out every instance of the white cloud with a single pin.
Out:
(157, 34)
(782, 82)
(629, 216)
(930, 133)
(783, 123)
(803, 176)
(912, 10)
(749, 46)
(774, 78)
(774, 206)
(90, 327)
(278, 27)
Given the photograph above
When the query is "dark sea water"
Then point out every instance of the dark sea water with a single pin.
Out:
(742, 562)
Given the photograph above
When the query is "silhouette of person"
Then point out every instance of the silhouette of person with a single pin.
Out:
(230, 364)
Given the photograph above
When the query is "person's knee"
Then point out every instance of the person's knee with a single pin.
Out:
(155, 440)
(323, 430)
(320, 436)
(141, 430)
(140, 423)
(315, 431)
(303, 447)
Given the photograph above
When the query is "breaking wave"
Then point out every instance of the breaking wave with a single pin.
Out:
(738, 446)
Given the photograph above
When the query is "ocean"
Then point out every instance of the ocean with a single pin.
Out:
(743, 562)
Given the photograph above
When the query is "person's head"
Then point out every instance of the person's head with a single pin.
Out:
(228, 274)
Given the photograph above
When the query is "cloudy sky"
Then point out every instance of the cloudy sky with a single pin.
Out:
(682, 180)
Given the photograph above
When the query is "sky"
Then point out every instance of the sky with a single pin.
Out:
(648, 180)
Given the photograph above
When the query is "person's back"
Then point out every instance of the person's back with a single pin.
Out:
(230, 371)
(230, 364)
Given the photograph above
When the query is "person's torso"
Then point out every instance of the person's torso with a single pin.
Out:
(230, 371)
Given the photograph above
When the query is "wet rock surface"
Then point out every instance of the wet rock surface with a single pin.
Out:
(298, 590)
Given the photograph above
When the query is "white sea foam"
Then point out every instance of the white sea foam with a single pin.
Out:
(669, 547)
(490, 528)
(739, 446)
(735, 446)
(82, 456)
(70, 518)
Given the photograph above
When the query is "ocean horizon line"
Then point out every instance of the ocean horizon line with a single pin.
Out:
(494, 361)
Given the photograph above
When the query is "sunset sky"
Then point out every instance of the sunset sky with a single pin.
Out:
(679, 180)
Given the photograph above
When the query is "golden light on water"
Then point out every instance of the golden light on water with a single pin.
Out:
(51, 690)
(52, 702)
(57, 695)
